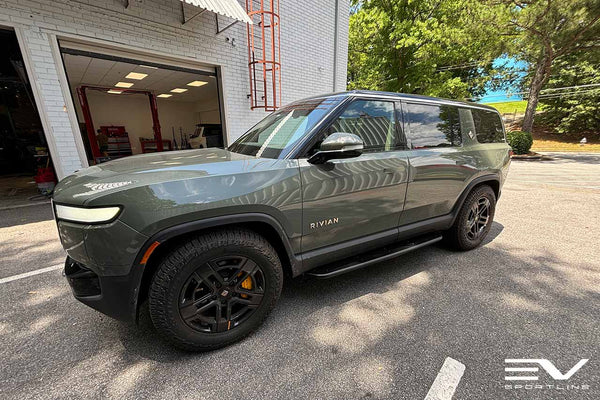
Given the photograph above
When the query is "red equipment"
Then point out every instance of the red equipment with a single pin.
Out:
(89, 124)
(264, 48)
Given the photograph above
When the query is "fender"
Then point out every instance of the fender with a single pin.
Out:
(212, 222)
(138, 269)
(474, 182)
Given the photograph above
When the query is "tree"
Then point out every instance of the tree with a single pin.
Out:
(546, 31)
(433, 47)
(575, 109)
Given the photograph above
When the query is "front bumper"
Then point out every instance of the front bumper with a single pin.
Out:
(115, 296)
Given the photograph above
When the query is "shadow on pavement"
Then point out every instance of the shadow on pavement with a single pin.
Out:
(349, 337)
(25, 215)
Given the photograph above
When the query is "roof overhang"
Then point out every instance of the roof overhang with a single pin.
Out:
(228, 8)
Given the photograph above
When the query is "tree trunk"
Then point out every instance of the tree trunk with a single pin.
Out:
(542, 72)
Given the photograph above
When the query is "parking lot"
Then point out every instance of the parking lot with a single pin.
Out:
(531, 292)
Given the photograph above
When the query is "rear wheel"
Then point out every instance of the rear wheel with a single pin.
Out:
(215, 289)
(474, 219)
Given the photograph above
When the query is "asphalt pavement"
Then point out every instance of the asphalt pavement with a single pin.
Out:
(531, 292)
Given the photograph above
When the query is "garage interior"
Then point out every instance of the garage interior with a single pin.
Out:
(124, 106)
(25, 166)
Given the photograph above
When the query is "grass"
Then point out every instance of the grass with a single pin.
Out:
(510, 107)
(543, 139)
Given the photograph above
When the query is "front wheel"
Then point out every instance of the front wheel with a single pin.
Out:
(474, 219)
(215, 289)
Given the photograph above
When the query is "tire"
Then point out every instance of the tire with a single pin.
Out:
(215, 289)
(468, 231)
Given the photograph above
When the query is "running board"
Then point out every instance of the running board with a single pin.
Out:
(372, 257)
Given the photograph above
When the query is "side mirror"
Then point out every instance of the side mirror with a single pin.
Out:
(338, 145)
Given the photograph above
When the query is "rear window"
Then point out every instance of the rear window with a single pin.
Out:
(488, 126)
(433, 126)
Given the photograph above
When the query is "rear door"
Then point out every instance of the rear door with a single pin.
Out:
(351, 198)
(440, 166)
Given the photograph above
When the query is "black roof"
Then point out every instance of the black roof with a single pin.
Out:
(405, 97)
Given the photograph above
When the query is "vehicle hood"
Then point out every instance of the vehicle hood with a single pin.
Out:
(147, 169)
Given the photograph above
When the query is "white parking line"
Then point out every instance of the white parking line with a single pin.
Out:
(31, 273)
(446, 381)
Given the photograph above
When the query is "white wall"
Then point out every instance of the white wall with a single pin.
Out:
(133, 112)
(154, 26)
(208, 111)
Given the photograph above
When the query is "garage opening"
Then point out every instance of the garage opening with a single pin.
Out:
(128, 106)
(26, 172)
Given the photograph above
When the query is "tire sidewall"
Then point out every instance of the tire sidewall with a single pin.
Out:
(465, 241)
(186, 266)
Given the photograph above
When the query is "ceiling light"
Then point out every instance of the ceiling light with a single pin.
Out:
(197, 83)
(164, 96)
(178, 90)
(112, 91)
(148, 66)
(136, 75)
(124, 84)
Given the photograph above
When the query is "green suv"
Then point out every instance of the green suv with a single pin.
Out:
(320, 187)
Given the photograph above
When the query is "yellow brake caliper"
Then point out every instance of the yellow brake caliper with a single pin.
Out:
(247, 284)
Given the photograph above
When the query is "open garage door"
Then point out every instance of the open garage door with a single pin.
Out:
(130, 104)
(26, 172)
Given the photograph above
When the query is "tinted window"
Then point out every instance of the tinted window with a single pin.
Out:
(488, 126)
(372, 121)
(433, 126)
(281, 130)
(467, 126)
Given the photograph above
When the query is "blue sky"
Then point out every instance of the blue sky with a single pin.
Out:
(497, 96)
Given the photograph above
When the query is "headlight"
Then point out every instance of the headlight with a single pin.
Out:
(86, 215)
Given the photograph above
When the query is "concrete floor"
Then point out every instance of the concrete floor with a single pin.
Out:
(531, 291)
(19, 191)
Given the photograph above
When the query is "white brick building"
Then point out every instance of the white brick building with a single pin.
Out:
(314, 42)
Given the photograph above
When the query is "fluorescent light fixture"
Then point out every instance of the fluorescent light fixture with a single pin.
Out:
(197, 83)
(136, 75)
(148, 66)
(164, 95)
(124, 84)
(178, 90)
(112, 91)
(86, 215)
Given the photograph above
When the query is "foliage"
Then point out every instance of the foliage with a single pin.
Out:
(445, 48)
(519, 141)
(578, 111)
(544, 32)
(432, 47)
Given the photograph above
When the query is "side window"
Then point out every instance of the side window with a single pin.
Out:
(373, 121)
(488, 126)
(433, 126)
(467, 125)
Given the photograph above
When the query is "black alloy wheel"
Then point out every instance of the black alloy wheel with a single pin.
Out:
(214, 289)
(474, 219)
(478, 218)
(221, 294)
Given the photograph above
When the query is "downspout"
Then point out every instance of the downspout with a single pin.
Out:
(335, 44)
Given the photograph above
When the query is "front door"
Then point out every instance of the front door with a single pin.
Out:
(351, 198)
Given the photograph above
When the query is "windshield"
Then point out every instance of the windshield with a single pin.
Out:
(281, 130)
